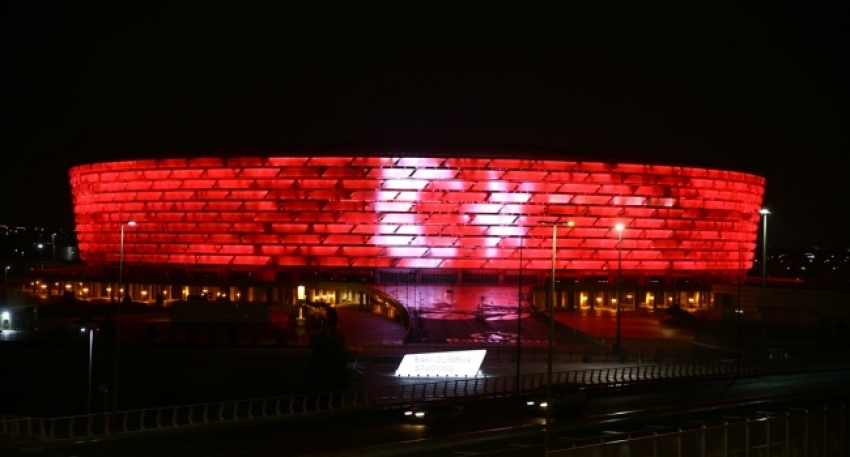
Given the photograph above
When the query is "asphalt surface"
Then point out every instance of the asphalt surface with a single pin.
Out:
(572, 334)
(598, 328)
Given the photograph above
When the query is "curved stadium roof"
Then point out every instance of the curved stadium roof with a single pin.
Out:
(465, 208)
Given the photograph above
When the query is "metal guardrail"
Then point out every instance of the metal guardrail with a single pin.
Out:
(507, 352)
(812, 433)
(601, 379)
(177, 416)
(594, 380)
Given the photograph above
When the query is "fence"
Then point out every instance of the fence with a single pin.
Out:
(372, 398)
(594, 380)
(818, 433)
(564, 354)
(178, 416)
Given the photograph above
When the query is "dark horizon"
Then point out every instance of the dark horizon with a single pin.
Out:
(758, 90)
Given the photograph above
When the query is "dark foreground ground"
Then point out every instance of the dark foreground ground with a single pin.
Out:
(45, 379)
(50, 378)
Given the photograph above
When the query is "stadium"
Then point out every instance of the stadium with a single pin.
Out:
(367, 226)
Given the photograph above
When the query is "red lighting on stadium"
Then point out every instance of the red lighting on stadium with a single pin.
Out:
(273, 213)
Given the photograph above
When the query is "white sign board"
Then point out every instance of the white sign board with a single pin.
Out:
(452, 363)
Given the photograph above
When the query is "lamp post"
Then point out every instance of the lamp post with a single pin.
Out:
(551, 332)
(764, 212)
(53, 245)
(619, 228)
(91, 345)
(519, 318)
(571, 224)
(738, 311)
(118, 319)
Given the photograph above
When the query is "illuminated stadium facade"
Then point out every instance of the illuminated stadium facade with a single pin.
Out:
(448, 218)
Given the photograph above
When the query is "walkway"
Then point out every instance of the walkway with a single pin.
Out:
(363, 327)
(637, 329)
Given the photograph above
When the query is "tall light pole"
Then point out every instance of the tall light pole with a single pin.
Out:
(764, 212)
(738, 311)
(519, 317)
(91, 345)
(619, 228)
(551, 332)
(118, 319)
(571, 224)
(53, 245)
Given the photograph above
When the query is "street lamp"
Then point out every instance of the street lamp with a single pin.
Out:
(91, 344)
(551, 331)
(764, 212)
(571, 224)
(619, 228)
(53, 245)
(118, 319)
(519, 317)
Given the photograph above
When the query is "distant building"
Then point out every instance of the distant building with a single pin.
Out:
(31, 245)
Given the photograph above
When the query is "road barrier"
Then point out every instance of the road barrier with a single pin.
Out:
(507, 352)
(177, 416)
(814, 433)
(595, 380)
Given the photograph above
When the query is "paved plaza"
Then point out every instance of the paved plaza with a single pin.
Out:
(637, 328)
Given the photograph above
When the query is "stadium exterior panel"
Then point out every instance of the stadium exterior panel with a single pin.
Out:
(448, 212)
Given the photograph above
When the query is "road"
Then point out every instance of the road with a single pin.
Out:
(496, 426)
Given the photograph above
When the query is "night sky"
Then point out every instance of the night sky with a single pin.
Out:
(755, 89)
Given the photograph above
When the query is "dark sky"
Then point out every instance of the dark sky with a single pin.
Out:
(756, 89)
